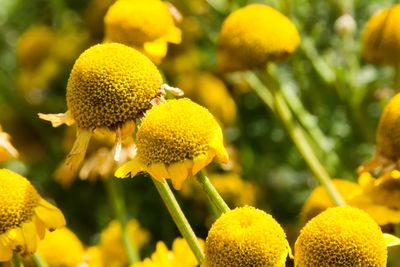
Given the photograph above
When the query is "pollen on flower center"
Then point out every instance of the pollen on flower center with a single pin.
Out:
(18, 198)
(175, 131)
(111, 84)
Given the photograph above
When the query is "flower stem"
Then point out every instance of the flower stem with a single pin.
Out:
(38, 260)
(300, 140)
(179, 218)
(212, 194)
(117, 202)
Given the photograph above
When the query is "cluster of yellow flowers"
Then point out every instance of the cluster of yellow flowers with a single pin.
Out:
(115, 94)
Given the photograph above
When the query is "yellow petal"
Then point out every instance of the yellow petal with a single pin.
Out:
(40, 227)
(133, 167)
(158, 171)
(189, 166)
(157, 48)
(29, 233)
(5, 253)
(14, 238)
(178, 174)
(58, 119)
(174, 35)
(201, 161)
(68, 171)
(391, 240)
(50, 216)
(220, 150)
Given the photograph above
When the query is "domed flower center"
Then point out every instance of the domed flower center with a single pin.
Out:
(18, 198)
(175, 131)
(111, 84)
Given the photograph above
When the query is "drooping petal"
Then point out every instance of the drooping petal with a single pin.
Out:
(158, 170)
(178, 174)
(157, 49)
(174, 35)
(5, 253)
(69, 169)
(58, 119)
(29, 234)
(133, 167)
(51, 216)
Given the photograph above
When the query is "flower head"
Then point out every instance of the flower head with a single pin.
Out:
(145, 25)
(341, 236)
(180, 255)
(109, 87)
(111, 246)
(254, 35)
(176, 140)
(24, 215)
(246, 237)
(61, 248)
(381, 37)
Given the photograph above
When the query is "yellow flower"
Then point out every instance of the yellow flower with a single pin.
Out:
(319, 200)
(341, 236)
(176, 140)
(34, 46)
(254, 35)
(145, 25)
(109, 87)
(111, 246)
(7, 150)
(381, 37)
(208, 90)
(24, 216)
(61, 248)
(180, 255)
(246, 237)
(93, 257)
(387, 140)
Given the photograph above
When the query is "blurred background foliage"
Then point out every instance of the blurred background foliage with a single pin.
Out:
(344, 94)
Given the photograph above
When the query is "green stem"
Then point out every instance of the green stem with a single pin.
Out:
(212, 194)
(300, 140)
(394, 252)
(38, 260)
(118, 204)
(179, 218)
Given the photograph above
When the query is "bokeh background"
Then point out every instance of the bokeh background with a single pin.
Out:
(40, 41)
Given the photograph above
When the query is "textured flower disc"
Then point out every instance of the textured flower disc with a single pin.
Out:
(246, 237)
(175, 131)
(388, 132)
(135, 22)
(381, 37)
(111, 84)
(253, 35)
(341, 236)
(18, 199)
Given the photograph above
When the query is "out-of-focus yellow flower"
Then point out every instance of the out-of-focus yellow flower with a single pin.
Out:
(211, 92)
(176, 140)
(381, 37)
(246, 237)
(387, 152)
(341, 236)
(7, 150)
(34, 46)
(179, 256)
(111, 245)
(93, 257)
(361, 197)
(24, 216)
(109, 87)
(145, 25)
(254, 35)
(61, 248)
(234, 190)
(319, 200)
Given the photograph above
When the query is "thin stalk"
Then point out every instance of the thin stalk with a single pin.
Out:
(179, 218)
(38, 260)
(212, 194)
(301, 142)
(118, 204)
